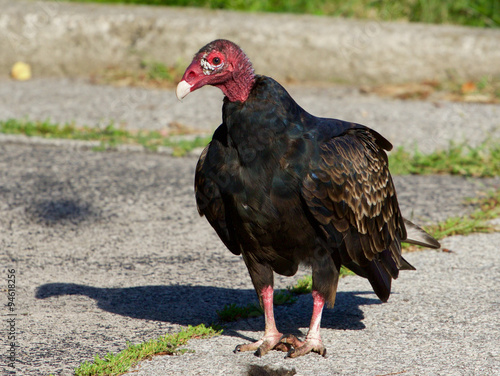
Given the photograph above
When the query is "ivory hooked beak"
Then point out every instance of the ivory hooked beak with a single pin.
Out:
(183, 89)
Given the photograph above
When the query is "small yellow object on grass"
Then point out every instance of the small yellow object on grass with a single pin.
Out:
(21, 71)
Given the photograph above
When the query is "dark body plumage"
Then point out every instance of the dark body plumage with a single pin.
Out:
(283, 187)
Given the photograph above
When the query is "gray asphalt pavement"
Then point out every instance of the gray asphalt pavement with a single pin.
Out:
(108, 247)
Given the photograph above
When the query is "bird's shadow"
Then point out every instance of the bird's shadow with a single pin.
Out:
(193, 305)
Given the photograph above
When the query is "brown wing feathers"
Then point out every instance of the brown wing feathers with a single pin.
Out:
(351, 189)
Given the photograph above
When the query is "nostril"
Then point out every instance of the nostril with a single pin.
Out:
(190, 75)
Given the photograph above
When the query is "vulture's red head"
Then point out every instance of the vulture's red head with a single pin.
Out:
(222, 64)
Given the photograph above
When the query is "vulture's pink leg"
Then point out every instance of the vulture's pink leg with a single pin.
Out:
(271, 338)
(313, 340)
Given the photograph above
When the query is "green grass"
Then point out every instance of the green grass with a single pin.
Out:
(482, 13)
(459, 226)
(109, 136)
(485, 89)
(181, 147)
(158, 71)
(478, 221)
(117, 364)
(304, 284)
(461, 159)
(234, 312)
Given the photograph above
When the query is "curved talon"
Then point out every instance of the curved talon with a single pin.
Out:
(258, 353)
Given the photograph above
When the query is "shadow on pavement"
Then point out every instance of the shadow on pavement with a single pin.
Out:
(193, 305)
(61, 211)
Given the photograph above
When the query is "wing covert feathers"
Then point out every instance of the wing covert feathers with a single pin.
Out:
(350, 193)
(350, 188)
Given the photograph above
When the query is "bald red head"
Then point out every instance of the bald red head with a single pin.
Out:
(222, 64)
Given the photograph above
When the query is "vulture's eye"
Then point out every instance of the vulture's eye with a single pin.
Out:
(216, 61)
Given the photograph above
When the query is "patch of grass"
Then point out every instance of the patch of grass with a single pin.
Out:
(109, 136)
(461, 159)
(488, 204)
(117, 364)
(304, 284)
(459, 226)
(483, 13)
(159, 71)
(234, 312)
(478, 221)
(284, 297)
(489, 208)
(183, 146)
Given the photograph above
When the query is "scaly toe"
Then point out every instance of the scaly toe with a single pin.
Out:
(248, 346)
(315, 345)
(285, 347)
(290, 339)
(264, 345)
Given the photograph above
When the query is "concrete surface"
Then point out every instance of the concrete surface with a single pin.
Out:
(63, 39)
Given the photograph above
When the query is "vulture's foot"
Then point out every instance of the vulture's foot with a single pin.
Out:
(300, 348)
(264, 345)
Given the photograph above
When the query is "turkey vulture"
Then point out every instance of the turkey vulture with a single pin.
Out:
(282, 187)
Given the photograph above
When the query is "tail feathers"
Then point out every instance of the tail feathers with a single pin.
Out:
(385, 259)
(382, 270)
(379, 279)
(415, 235)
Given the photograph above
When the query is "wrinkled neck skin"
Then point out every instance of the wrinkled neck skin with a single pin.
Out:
(239, 84)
